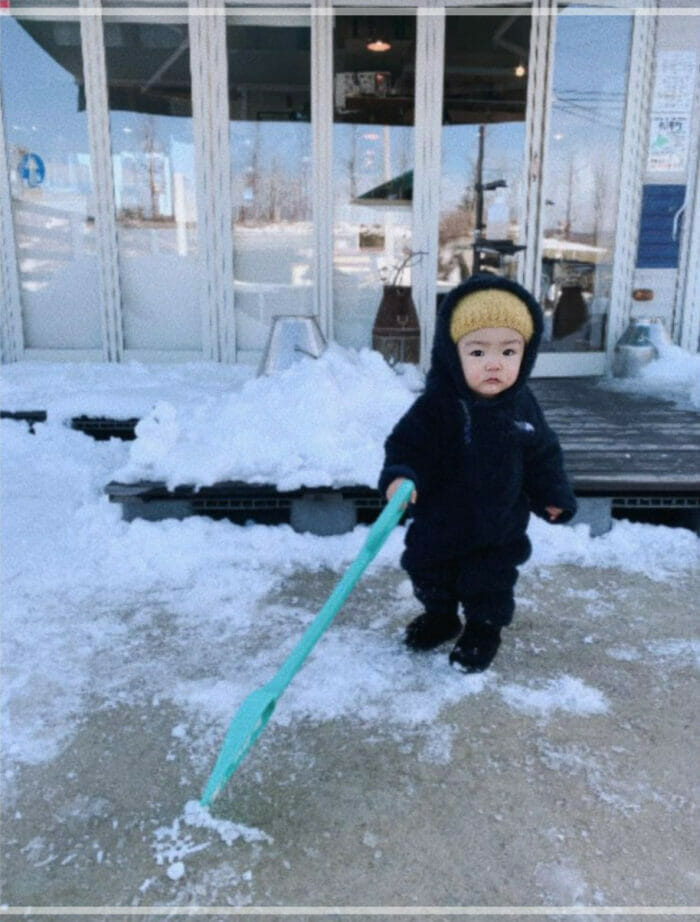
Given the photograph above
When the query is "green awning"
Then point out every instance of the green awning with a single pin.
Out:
(396, 192)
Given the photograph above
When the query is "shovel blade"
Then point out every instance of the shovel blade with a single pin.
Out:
(246, 725)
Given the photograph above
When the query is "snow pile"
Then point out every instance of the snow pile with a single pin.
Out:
(116, 390)
(674, 375)
(321, 422)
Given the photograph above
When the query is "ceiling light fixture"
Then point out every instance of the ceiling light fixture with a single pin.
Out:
(378, 44)
(520, 71)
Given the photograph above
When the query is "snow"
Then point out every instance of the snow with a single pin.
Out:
(674, 375)
(86, 590)
(321, 422)
(118, 390)
(173, 843)
(565, 693)
(176, 870)
(625, 546)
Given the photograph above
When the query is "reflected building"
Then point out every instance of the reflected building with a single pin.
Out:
(170, 183)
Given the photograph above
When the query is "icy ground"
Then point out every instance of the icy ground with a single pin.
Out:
(80, 587)
(178, 621)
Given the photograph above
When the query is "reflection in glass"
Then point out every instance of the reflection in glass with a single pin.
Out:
(50, 182)
(269, 72)
(372, 168)
(148, 76)
(581, 185)
(483, 136)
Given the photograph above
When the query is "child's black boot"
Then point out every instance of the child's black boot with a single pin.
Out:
(431, 629)
(477, 647)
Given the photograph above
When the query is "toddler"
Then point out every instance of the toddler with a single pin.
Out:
(482, 456)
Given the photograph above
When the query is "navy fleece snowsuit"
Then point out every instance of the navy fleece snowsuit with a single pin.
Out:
(480, 465)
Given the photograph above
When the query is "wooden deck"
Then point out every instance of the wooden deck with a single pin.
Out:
(620, 443)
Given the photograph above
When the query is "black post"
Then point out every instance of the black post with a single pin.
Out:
(479, 227)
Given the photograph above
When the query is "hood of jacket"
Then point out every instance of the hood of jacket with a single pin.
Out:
(446, 373)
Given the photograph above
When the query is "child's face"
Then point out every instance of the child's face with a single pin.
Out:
(491, 359)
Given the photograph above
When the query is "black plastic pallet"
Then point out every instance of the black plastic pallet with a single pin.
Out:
(345, 507)
(103, 428)
(100, 428)
(28, 416)
(242, 502)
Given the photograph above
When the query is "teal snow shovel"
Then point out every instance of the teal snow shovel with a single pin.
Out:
(249, 720)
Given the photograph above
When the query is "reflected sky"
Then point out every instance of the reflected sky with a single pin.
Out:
(590, 76)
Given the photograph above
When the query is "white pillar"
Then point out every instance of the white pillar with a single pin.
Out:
(688, 293)
(97, 107)
(539, 93)
(430, 60)
(208, 65)
(11, 332)
(322, 153)
(634, 154)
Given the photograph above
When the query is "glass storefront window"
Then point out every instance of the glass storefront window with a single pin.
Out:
(149, 85)
(483, 138)
(372, 166)
(591, 61)
(269, 74)
(51, 183)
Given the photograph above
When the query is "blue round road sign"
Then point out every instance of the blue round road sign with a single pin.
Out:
(31, 170)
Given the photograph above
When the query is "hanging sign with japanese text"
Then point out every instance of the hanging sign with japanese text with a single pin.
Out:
(672, 103)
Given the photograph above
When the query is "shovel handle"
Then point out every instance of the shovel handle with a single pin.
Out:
(255, 711)
(378, 533)
(387, 521)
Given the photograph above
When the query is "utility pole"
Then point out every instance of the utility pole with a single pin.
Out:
(481, 186)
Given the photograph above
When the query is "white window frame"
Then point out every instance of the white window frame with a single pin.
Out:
(213, 182)
(100, 144)
(539, 98)
(634, 153)
(633, 156)
(11, 328)
(322, 162)
(214, 187)
(687, 298)
(12, 341)
(427, 166)
(212, 157)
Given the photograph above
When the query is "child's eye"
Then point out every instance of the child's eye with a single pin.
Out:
(509, 352)
(476, 352)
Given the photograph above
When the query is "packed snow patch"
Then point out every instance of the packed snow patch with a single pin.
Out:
(199, 817)
(173, 843)
(678, 653)
(565, 693)
(628, 546)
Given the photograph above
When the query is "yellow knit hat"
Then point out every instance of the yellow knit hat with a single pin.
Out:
(490, 307)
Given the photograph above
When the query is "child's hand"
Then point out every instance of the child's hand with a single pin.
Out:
(553, 512)
(393, 487)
